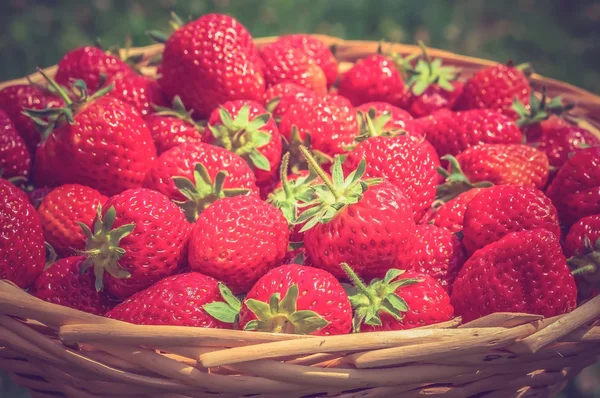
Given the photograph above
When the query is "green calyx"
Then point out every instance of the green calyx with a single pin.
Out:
(175, 23)
(587, 262)
(102, 247)
(456, 182)
(51, 255)
(540, 109)
(178, 111)
(427, 72)
(335, 193)
(204, 192)
(371, 125)
(243, 136)
(227, 311)
(297, 158)
(281, 315)
(369, 302)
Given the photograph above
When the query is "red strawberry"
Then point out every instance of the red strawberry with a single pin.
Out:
(13, 99)
(434, 98)
(148, 241)
(385, 117)
(178, 300)
(450, 215)
(436, 252)
(401, 300)
(237, 240)
(245, 128)
(62, 283)
(309, 301)
(61, 211)
(582, 248)
(15, 160)
(21, 237)
(280, 97)
(135, 90)
(193, 65)
(92, 65)
(502, 209)
(496, 87)
(316, 50)
(285, 63)
(523, 272)
(575, 191)
(195, 175)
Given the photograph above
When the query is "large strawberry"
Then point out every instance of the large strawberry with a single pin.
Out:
(399, 301)
(138, 238)
(450, 215)
(502, 209)
(575, 191)
(193, 65)
(21, 237)
(61, 211)
(524, 272)
(582, 248)
(280, 97)
(15, 160)
(180, 300)
(245, 128)
(63, 283)
(194, 175)
(237, 240)
(297, 299)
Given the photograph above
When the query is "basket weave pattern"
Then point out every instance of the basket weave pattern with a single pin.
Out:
(60, 352)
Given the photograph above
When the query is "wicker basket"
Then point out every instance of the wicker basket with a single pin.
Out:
(59, 352)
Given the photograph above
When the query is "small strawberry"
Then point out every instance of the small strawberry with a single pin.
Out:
(522, 272)
(401, 300)
(575, 191)
(582, 248)
(15, 160)
(21, 237)
(195, 175)
(502, 209)
(138, 238)
(450, 215)
(180, 300)
(279, 97)
(63, 283)
(245, 128)
(385, 117)
(237, 240)
(297, 299)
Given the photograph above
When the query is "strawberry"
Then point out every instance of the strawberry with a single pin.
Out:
(297, 299)
(178, 300)
(245, 128)
(575, 191)
(436, 252)
(401, 300)
(21, 237)
(13, 99)
(450, 215)
(139, 237)
(285, 63)
(15, 160)
(194, 175)
(522, 272)
(356, 221)
(496, 87)
(97, 141)
(135, 90)
(582, 248)
(502, 209)
(279, 97)
(61, 211)
(316, 50)
(63, 283)
(385, 117)
(237, 240)
(92, 65)
(193, 65)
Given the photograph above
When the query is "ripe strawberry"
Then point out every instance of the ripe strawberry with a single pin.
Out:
(575, 191)
(284, 63)
(61, 211)
(523, 272)
(237, 240)
(450, 215)
(13, 99)
(245, 128)
(279, 97)
(15, 160)
(316, 50)
(22, 239)
(401, 300)
(582, 248)
(308, 301)
(193, 65)
(195, 175)
(435, 98)
(385, 117)
(502, 209)
(63, 283)
(495, 88)
(136, 91)
(92, 65)
(139, 238)
(178, 300)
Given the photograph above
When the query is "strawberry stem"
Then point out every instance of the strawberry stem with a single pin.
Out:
(358, 283)
(312, 163)
(61, 92)
(426, 56)
(283, 169)
(585, 269)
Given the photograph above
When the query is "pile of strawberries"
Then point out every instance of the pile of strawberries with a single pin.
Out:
(255, 188)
